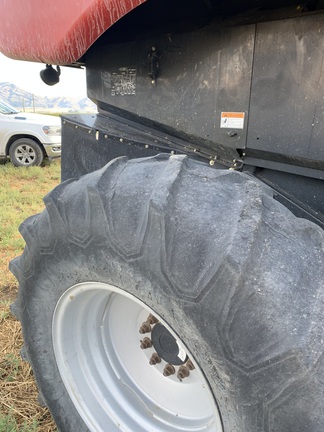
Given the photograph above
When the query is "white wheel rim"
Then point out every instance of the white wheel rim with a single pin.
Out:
(108, 377)
(25, 154)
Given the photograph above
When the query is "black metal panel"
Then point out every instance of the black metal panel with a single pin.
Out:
(287, 106)
(91, 141)
(86, 148)
(199, 76)
(304, 196)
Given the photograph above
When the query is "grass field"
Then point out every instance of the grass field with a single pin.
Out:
(21, 194)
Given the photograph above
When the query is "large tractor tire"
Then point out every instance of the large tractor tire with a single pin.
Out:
(161, 295)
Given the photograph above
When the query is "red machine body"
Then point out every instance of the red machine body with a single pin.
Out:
(57, 32)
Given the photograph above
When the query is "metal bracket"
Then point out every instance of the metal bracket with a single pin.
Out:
(153, 61)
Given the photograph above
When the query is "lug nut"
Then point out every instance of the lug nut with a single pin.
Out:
(145, 328)
(183, 373)
(155, 358)
(151, 319)
(190, 365)
(146, 343)
(168, 370)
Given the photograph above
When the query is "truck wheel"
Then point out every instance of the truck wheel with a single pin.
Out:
(159, 294)
(26, 152)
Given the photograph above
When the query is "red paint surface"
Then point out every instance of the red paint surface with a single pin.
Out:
(56, 31)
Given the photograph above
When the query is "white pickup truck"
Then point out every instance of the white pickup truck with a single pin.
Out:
(28, 138)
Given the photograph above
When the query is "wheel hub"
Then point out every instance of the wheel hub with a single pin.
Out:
(96, 336)
(25, 154)
(168, 350)
(167, 346)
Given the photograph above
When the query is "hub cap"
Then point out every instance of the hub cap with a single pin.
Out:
(167, 346)
(25, 154)
(106, 364)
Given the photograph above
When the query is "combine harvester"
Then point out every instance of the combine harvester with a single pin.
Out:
(175, 280)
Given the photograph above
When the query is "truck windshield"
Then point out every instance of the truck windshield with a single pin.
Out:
(7, 109)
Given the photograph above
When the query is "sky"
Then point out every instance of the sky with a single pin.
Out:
(26, 76)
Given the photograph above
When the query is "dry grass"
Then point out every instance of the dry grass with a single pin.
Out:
(21, 193)
(19, 408)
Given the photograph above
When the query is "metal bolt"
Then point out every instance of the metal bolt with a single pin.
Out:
(183, 373)
(211, 163)
(146, 343)
(151, 319)
(155, 358)
(190, 365)
(146, 146)
(168, 370)
(145, 328)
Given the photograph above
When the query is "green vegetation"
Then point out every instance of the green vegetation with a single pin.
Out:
(9, 424)
(9, 367)
(21, 195)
